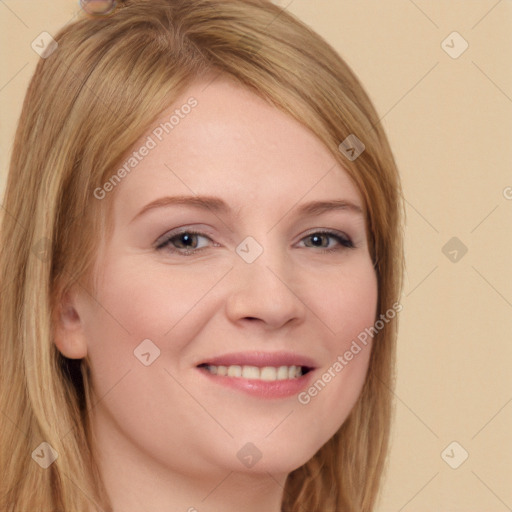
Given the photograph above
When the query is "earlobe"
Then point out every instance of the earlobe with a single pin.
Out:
(69, 336)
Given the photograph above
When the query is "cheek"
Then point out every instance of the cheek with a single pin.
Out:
(346, 302)
(140, 301)
(348, 310)
(353, 311)
(128, 309)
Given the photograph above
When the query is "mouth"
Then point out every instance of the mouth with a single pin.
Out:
(269, 375)
(263, 373)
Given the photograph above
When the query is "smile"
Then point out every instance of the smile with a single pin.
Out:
(266, 373)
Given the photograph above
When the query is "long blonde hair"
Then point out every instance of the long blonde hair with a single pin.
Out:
(88, 102)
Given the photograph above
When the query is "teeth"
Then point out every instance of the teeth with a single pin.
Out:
(250, 372)
(282, 372)
(267, 373)
(234, 371)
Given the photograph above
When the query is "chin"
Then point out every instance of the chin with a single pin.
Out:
(280, 459)
(273, 465)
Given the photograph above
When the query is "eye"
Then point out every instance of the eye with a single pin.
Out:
(184, 243)
(317, 237)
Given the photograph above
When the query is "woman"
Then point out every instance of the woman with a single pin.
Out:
(201, 266)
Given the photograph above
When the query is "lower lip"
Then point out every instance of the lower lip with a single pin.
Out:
(262, 388)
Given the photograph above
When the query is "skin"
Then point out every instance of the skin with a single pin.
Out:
(166, 437)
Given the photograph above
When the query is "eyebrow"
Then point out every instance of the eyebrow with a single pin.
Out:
(217, 205)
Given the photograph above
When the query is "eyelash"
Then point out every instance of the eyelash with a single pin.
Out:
(345, 243)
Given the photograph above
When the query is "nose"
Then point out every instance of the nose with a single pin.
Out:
(264, 292)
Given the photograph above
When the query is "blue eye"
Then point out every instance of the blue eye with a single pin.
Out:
(185, 243)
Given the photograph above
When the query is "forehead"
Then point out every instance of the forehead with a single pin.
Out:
(231, 144)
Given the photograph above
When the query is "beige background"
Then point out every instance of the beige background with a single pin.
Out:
(450, 124)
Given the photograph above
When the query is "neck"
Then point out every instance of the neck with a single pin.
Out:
(137, 490)
(135, 481)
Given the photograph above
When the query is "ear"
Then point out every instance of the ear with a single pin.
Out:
(69, 335)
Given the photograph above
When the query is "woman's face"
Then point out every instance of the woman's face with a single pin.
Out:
(261, 285)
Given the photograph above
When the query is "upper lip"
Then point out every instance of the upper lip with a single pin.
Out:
(260, 359)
